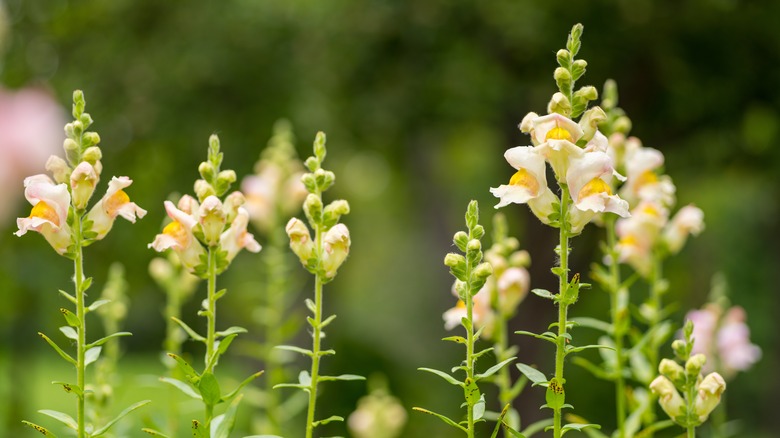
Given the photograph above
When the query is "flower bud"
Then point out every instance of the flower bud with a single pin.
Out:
(188, 204)
(474, 245)
(562, 78)
(590, 122)
(694, 365)
(559, 104)
(92, 154)
(622, 124)
(334, 211)
(309, 182)
(91, 139)
(232, 202)
(336, 248)
(578, 68)
(670, 400)
(160, 270)
(520, 259)
(224, 179)
(70, 146)
(708, 397)
(564, 58)
(206, 170)
(59, 169)
(312, 206)
(211, 219)
(672, 370)
(461, 240)
(678, 346)
(203, 189)
(324, 179)
(483, 270)
(82, 183)
(300, 240)
(588, 93)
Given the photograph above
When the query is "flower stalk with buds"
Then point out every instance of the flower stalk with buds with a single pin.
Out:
(207, 234)
(60, 214)
(322, 256)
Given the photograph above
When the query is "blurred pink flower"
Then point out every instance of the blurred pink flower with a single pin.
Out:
(31, 124)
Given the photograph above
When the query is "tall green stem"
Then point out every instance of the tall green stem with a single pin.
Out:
(562, 304)
(211, 316)
(618, 325)
(82, 332)
(315, 359)
(503, 380)
(690, 398)
(470, 359)
(275, 265)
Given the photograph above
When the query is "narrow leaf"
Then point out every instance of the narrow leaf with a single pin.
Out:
(102, 341)
(456, 339)
(230, 331)
(69, 387)
(542, 336)
(537, 426)
(302, 351)
(578, 427)
(341, 377)
(443, 375)
(189, 372)
(154, 432)
(121, 415)
(209, 389)
(70, 298)
(64, 355)
(442, 418)
(86, 284)
(594, 323)
(492, 370)
(189, 331)
(327, 321)
(224, 427)
(61, 417)
(183, 387)
(70, 318)
(533, 374)
(41, 429)
(328, 420)
(246, 381)
(544, 293)
(94, 306)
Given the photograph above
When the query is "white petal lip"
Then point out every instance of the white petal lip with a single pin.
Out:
(584, 169)
(509, 194)
(130, 211)
(163, 242)
(179, 216)
(543, 125)
(528, 158)
(42, 188)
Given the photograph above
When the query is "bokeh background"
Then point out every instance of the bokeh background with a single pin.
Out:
(419, 100)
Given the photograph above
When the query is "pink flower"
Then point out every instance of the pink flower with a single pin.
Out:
(736, 351)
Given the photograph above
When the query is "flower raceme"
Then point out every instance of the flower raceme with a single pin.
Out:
(49, 214)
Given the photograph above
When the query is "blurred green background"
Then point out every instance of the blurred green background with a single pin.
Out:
(419, 100)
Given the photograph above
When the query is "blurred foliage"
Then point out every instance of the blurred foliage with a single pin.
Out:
(419, 100)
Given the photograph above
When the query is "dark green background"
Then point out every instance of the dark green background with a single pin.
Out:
(430, 92)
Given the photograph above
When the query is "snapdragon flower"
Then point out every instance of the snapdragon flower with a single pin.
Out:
(725, 337)
(689, 220)
(49, 215)
(336, 243)
(482, 314)
(528, 185)
(114, 203)
(236, 237)
(177, 235)
(556, 137)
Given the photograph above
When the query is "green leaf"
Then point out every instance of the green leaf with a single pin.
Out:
(594, 369)
(231, 331)
(246, 381)
(346, 377)
(572, 349)
(69, 332)
(188, 370)
(533, 374)
(86, 284)
(102, 341)
(456, 339)
(94, 306)
(443, 375)
(328, 420)
(199, 430)
(154, 432)
(542, 336)
(442, 418)
(302, 351)
(492, 370)
(209, 389)
(594, 324)
(70, 298)
(310, 304)
(92, 355)
(122, 414)
(222, 347)
(183, 387)
(482, 353)
(189, 331)
(327, 321)
(41, 429)
(69, 387)
(225, 422)
(70, 318)
(544, 293)
(61, 417)
(220, 294)
(471, 391)
(555, 396)
(578, 427)
(479, 408)
(537, 426)
(63, 354)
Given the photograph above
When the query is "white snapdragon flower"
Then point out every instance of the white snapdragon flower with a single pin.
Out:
(178, 236)
(114, 203)
(529, 184)
(49, 214)
(236, 237)
(638, 235)
(336, 243)
(589, 179)
(481, 313)
(556, 137)
(644, 183)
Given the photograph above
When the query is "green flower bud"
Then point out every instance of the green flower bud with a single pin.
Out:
(578, 68)
(588, 93)
(474, 245)
(309, 182)
(161, 270)
(334, 211)
(203, 190)
(319, 147)
(622, 125)
(86, 120)
(483, 270)
(91, 139)
(678, 347)
(452, 260)
(590, 122)
(564, 58)
(562, 78)
(672, 370)
(694, 365)
(70, 145)
(461, 240)
(59, 169)
(206, 170)
(520, 259)
(559, 104)
(92, 155)
(324, 179)
(312, 206)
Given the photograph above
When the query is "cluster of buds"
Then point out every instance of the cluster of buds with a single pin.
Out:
(275, 190)
(701, 395)
(378, 415)
(58, 200)
(576, 151)
(470, 273)
(724, 335)
(208, 221)
(323, 255)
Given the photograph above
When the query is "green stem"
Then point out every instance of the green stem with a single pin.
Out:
(690, 398)
(211, 316)
(82, 332)
(275, 290)
(655, 304)
(173, 345)
(562, 304)
(617, 326)
(470, 359)
(504, 380)
(315, 359)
